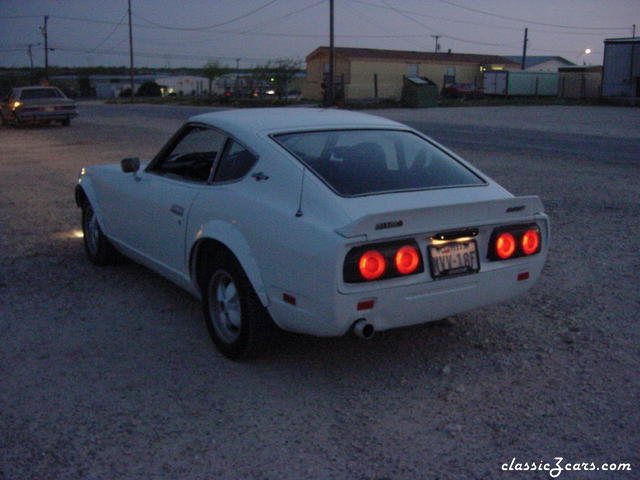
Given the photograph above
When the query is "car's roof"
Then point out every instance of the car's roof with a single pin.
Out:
(290, 119)
(36, 88)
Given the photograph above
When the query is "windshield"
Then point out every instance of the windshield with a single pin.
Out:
(363, 162)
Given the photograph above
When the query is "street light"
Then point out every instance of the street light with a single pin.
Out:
(587, 51)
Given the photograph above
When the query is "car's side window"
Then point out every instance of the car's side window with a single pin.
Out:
(193, 156)
(235, 163)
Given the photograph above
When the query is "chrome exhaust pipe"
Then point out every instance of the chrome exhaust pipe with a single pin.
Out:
(364, 329)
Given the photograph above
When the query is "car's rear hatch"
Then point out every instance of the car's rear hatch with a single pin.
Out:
(383, 216)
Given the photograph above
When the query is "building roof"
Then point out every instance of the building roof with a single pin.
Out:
(533, 60)
(622, 40)
(581, 68)
(412, 55)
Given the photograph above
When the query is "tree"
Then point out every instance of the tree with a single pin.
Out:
(84, 86)
(149, 89)
(213, 70)
(278, 74)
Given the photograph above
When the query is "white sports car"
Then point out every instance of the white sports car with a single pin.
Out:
(317, 221)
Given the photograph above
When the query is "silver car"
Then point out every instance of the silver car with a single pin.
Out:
(37, 105)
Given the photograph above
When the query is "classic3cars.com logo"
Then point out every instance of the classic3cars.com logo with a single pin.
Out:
(560, 465)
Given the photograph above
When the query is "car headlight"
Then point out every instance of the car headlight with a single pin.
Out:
(15, 105)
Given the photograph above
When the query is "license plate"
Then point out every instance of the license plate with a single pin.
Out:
(453, 258)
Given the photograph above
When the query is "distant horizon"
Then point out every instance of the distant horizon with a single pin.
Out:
(248, 68)
(250, 32)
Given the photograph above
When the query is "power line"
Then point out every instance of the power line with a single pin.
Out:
(505, 17)
(162, 55)
(157, 26)
(208, 27)
(247, 30)
(440, 34)
(14, 17)
(362, 16)
(436, 17)
(493, 26)
(111, 33)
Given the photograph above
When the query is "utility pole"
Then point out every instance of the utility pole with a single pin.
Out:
(330, 93)
(237, 85)
(30, 52)
(634, 31)
(524, 48)
(131, 55)
(46, 47)
(437, 44)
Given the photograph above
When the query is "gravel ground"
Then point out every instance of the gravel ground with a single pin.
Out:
(108, 373)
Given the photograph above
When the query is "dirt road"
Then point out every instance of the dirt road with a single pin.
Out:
(108, 373)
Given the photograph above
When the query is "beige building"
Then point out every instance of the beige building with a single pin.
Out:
(365, 73)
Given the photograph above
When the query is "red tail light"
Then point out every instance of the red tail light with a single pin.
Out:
(407, 259)
(530, 242)
(514, 241)
(372, 265)
(382, 261)
(505, 245)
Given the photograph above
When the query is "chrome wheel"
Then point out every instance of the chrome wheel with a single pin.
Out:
(91, 231)
(224, 306)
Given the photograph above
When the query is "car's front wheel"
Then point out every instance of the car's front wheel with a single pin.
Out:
(237, 321)
(98, 247)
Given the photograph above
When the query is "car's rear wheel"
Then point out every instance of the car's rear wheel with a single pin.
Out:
(98, 247)
(237, 321)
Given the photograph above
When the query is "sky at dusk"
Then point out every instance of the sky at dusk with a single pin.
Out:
(189, 33)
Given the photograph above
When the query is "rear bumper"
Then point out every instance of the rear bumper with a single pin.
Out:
(44, 116)
(413, 304)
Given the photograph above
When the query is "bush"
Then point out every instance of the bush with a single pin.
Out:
(149, 89)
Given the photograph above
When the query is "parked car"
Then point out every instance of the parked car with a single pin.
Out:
(37, 105)
(317, 221)
(462, 90)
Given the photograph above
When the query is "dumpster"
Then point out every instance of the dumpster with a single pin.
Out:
(419, 92)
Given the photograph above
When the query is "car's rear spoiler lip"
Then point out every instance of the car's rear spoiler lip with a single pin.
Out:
(443, 217)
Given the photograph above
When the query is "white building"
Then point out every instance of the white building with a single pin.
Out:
(537, 63)
(184, 85)
(112, 86)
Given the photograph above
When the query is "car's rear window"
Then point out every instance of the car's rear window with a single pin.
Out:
(40, 93)
(363, 162)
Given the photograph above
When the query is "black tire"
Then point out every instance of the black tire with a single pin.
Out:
(3, 121)
(237, 322)
(98, 247)
(66, 122)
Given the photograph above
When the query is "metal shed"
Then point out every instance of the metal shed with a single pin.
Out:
(520, 83)
(621, 68)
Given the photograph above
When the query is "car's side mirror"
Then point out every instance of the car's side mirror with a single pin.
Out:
(130, 165)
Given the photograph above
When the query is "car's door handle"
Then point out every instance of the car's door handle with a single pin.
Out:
(177, 210)
(260, 176)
